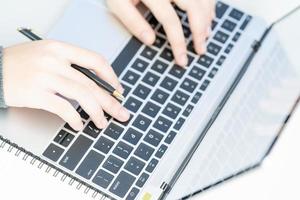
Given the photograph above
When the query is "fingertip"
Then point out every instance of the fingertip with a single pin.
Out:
(182, 59)
(77, 126)
(147, 37)
(124, 114)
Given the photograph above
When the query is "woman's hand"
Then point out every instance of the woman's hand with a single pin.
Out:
(200, 14)
(35, 73)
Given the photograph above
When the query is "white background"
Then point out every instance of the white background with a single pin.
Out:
(277, 178)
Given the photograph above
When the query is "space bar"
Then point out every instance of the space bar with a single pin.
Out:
(76, 152)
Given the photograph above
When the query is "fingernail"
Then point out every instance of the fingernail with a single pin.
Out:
(78, 126)
(203, 49)
(183, 60)
(103, 123)
(147, 37)
(208, 31)
(121, 89)
(124, 114)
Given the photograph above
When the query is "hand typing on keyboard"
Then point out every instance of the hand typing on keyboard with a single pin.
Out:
(200, 15)
(35, 72)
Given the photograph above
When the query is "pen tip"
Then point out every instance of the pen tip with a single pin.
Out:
(118, 95)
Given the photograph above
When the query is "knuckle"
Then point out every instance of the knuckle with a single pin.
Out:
(52, 45)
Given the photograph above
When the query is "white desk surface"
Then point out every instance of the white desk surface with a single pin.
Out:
(278, 177)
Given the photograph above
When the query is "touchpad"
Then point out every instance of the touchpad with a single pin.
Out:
(89, 24)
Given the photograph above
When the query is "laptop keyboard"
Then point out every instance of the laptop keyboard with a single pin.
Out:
(160, 97)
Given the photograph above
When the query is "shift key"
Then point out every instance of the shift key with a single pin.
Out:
(76, 152)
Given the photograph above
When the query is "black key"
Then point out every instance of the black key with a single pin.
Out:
(133, 104)
(197, 73)
(236, 14)
(169, 139)
(186, 31)
(190, 47)
(213, 24)
(107, 116)
(205, 61)
(142, 180)
(188, 85)
(151, 79)
(149, 53)
(220, 9)
(177, 71)
(64, 138)
(159, 42)
(169, 83)
(114, 131)
(190, 59)
(221, 60)
(246, 22)
(153, 22)
(161, 151)
(236, 36)
(228, 25)
(132, 194)
(159, 66)
(68, 127)
(179, 123)
(126, 90)
(131, 77)
(162, 124)
(122, 184)
(151, 109)
(103, 178)
(196, 97)
(187, 111)
(113, 164)
(92, 130)
(126, 122)
(83, 114)
(160, 96)
(134, 166)
(161, 30)
(53, 152)
(213, 72)
(141, 91)
(140, 65)
(213, 48)
(180, 97)
(228, 48)
(123, 150)
(104, 144)
(132, 136)
(221, 37)
(144, 151)
(151, 166)
(171, 111)
(76, 152)
(204, 85)
(153, 138)
(141, 122)
(167, 54)
(89, 165)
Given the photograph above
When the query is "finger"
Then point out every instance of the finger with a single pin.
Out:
(199, 19)
(61, 107)
(129, 15)
(90, 60)
(166, 15)
(83, 95)
(112, 106)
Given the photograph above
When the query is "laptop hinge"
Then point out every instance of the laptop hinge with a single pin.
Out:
(256, 45)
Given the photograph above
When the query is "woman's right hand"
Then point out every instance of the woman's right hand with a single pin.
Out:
(35, 73)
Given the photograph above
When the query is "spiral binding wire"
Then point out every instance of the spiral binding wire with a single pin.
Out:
(41, 164)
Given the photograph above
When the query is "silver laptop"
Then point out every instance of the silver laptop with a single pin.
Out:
(190, 128)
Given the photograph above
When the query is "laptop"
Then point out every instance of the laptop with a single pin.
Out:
(190, 128)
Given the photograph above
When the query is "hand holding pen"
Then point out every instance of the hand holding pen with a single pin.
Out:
(34, 73)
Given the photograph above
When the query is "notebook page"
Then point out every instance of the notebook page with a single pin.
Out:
(20, 179)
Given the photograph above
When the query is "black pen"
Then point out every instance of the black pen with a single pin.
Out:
(103, 84)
